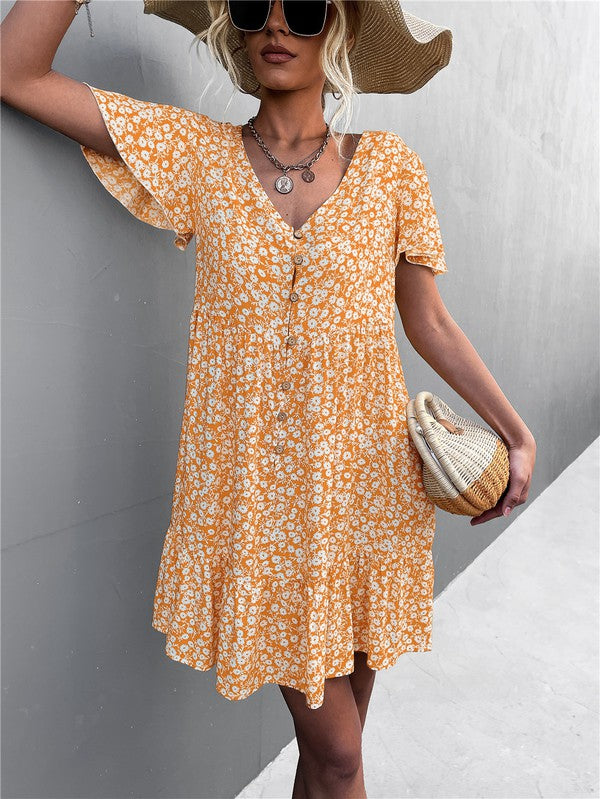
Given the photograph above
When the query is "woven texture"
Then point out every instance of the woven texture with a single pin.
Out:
(465, 465)
(395, 52)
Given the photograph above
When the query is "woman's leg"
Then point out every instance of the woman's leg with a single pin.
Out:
(330, 737)
(362, 680)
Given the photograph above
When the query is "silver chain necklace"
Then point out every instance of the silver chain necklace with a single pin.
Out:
(284, 184)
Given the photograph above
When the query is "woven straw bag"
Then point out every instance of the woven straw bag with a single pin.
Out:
(465, 465)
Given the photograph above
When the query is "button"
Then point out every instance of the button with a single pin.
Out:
(282, 415)
(294, 296)
(291, 340)
(298, 259)
(278, 447)
(298, 234)
(285, 385)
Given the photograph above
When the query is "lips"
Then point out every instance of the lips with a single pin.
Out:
(276, 49)
(277, 58)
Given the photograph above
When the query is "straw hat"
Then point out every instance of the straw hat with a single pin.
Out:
(395, 52)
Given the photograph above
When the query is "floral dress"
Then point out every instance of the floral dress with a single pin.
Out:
(300, 529)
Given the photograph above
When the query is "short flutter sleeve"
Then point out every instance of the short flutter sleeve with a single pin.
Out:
(158, 177)
(418, 232)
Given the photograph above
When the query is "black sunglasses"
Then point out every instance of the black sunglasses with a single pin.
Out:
(303, 17)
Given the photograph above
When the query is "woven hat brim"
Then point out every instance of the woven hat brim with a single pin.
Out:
(395, 51)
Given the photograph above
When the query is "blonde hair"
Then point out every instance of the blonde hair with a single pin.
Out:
(334, 54)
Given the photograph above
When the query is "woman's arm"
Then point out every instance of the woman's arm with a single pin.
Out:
(439, 340)
(30, 35)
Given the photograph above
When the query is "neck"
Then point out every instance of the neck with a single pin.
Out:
(290, 118)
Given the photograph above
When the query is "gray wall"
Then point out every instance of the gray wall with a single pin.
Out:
(96, 306)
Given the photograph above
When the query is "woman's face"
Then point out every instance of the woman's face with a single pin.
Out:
(282, 73)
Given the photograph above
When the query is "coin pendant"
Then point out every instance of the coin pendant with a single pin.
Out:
(284, 184)
(308, 175)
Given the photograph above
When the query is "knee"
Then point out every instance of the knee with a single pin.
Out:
(338, 764)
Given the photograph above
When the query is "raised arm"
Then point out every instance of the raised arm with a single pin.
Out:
(29, 39)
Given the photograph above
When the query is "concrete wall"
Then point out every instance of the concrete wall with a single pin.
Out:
(96, 306)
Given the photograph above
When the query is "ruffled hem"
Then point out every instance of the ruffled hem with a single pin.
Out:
(435, 261)
(133, 181)
(284, 679)
(291, 631)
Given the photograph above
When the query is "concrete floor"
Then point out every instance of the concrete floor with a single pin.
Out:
(506, 704)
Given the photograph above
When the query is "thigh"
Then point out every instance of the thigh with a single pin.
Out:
(362, 680)
(363, 677)
(333, 730)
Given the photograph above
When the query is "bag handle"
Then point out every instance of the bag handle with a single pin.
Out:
(428, 422)
(426, 398)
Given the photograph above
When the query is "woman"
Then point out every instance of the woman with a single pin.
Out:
(299, 548)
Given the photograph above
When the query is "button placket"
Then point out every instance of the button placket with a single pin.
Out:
(290, 341)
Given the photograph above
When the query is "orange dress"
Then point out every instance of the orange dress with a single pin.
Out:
(300, 529)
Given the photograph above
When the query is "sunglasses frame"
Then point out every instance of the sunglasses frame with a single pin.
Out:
(271, 2)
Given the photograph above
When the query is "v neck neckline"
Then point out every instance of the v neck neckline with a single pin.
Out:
(260, 190)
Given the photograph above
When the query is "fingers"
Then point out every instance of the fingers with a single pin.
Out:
(516, 493)
(492, 513)
(525, 491)
(517, 490)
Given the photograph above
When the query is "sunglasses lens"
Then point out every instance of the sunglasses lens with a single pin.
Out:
(249, 15)
(305, 17)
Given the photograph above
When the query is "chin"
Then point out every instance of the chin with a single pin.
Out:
(283, 85)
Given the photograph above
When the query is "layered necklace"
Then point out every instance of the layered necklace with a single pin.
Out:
(284, 184)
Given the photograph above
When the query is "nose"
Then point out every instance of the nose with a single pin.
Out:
(276, 20)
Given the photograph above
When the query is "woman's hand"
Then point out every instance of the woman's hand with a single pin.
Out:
(521, 458)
